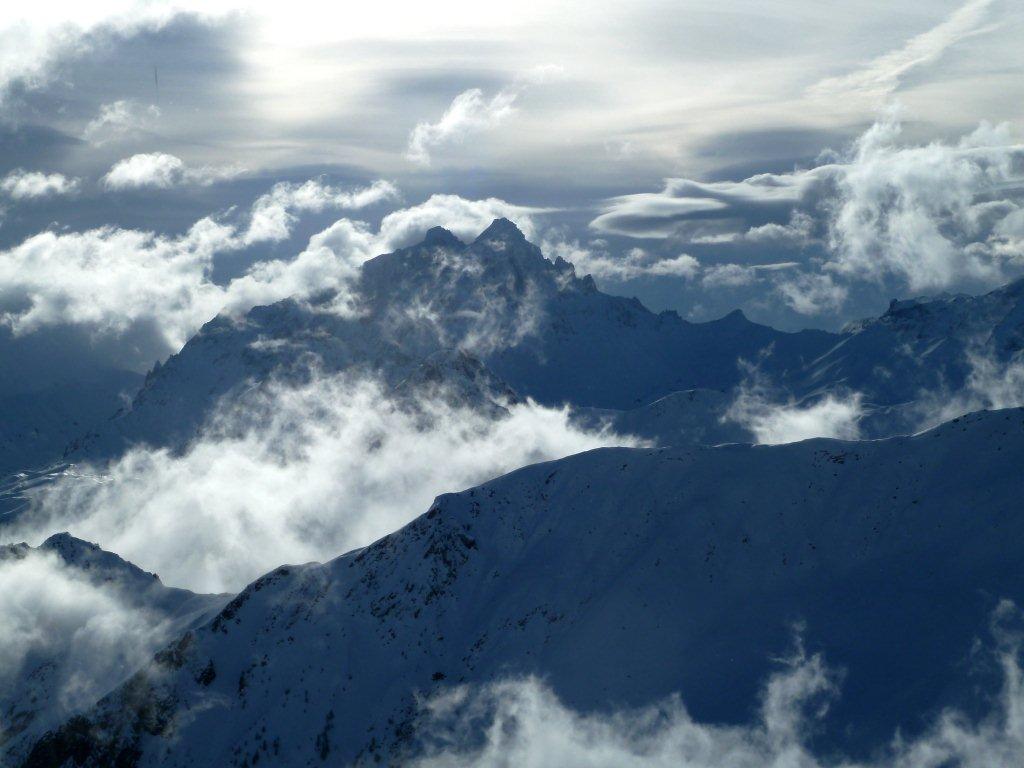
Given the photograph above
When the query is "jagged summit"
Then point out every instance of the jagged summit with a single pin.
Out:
(501, 229)
(441, 237)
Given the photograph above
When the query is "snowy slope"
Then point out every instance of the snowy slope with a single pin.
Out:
(51, 677)
(36, 426)
(621, 575)
(922, 345)
(692, 417)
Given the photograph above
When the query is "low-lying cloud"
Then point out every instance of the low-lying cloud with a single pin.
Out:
(523, 722)
(292, 474)
(595, 259)
(990, 384)
(84, 636)
(773, 420)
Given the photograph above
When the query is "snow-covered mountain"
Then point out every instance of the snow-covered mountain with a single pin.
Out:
(37, 425)
(541, 331)
(127, 615)
(923, 345)
(620, 576)
(538, 329)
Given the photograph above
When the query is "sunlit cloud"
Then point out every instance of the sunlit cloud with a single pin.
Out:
(161, 170)
(31, 185)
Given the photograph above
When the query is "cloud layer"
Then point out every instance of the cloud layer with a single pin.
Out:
(293, 474)
(90, 634)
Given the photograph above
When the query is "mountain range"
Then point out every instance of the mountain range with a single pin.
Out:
(619, 576)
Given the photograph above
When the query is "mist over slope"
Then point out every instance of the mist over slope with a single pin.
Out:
(77, 621)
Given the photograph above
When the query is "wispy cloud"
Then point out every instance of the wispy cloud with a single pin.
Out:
(120, 119)
(883, 75)
(472, 112)
(595, 259)
(90, 634)
(773, 418)
(523, 722)
(469, 112)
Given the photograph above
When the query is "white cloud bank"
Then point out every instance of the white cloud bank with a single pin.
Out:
(113, 281)
(162, 171)
(523, 723)
(293, 474)
(30, 185)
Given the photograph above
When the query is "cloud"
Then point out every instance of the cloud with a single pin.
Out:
(91, 635)
(273, 214)
(471, 112)
(913, 212)
(810, 294)
(594, 259)
(990, 384)
(464, 218)
(523, 722)
(597, 261)
(160, 170)
(120, 119)
(111, 279)
(30, 185)
(734, 275)
(883, 75)
(297, 473)
(928, 217)
(771, 421)
(683, 201)
(797, 231)
(115, 281)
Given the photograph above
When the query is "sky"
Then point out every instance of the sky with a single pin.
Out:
(804, 161)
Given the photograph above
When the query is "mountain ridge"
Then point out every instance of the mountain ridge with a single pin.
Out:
(558, 568)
